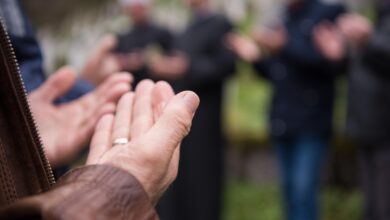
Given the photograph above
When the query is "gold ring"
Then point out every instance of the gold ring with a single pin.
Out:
(120, 141)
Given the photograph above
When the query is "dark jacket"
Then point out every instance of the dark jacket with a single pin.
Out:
(302, 78)
(210, 64)
(28, 51)
(140, 38)
(369, 95)
(27, 186)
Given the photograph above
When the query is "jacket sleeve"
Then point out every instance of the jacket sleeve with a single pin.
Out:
(92, 192)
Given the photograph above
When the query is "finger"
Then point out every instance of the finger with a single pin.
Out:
(58, 84)
(86, 130)
(162, 93)
(109, 91)
(142, 119)
(123, 117)
(174, 124)
(104, 91)
(101, 139)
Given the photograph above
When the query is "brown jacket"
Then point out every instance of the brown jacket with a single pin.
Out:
(27, 186)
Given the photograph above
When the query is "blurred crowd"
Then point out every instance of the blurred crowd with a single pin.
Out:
(301, 55)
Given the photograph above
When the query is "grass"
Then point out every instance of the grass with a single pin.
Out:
(244, 201)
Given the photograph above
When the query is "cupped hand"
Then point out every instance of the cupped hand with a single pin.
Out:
(355, 28)
(102, 62)
(273, 40)
(244, 47)
(155, 121)
(330, 41)
(65, 129)
(171, 67)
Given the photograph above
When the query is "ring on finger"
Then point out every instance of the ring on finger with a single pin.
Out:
(120, 141)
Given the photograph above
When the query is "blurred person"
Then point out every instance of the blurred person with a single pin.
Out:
(369, 81)
(133, 48)
(302, 106)
(200, 62)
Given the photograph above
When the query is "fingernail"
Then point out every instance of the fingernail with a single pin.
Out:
(191, 100)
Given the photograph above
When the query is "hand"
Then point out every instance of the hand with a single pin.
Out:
(244, 47)
(272, 40)
(102, 63)
(330, 42)
(132, 62)
(155, 121)
(67, 128)
(170, 67)
(355, 28)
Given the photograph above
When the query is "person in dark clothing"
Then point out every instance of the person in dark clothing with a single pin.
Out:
(201, 62)
(131, 46)
(369, 100)
(302, 106)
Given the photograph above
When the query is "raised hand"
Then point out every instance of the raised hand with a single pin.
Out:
(102, 62)
(355, 28)
(170, 67)
(330, 41)
(144, 136)
(67, 128)
(244, 47)
(273, 40)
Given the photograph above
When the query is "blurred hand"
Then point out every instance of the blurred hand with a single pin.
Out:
(244, 47)
(155, 121)
(133, 61)
(330, 41)
(272, 40)
(170, 67)
(67, 128)
(102, 62)
(355, 28)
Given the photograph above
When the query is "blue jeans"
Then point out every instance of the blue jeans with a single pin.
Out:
(301, 159)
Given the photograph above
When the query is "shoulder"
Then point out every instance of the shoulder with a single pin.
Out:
(332, 6)
(221, 21)
(328, 10)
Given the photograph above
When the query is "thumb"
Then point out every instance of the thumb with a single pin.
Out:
(58, 84)
(174, 124)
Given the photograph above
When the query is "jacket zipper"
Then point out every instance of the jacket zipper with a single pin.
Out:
(23, 102)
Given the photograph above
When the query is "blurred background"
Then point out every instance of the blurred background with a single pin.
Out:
(68, 34)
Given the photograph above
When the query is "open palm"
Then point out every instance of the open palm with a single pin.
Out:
(66, 128)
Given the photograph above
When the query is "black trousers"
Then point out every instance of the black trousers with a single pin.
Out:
(375, 172)
(198, 190)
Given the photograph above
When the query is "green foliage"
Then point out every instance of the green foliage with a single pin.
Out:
(245, 201)
(246, 107)
(251, 202)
